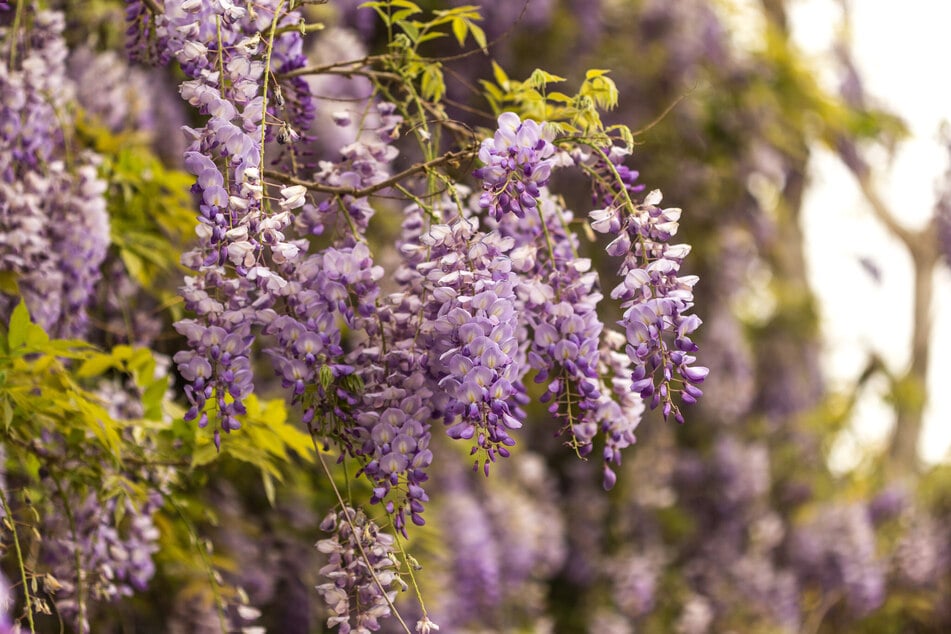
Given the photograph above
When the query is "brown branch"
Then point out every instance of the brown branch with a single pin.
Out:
(909, 389)
(154, 6)
(328, 68)
(911, 239)
(363, 192)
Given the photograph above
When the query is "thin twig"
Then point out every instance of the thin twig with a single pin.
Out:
(16, 543)
(327, 68)
(662, 115)
(154, 6)
(363, 192)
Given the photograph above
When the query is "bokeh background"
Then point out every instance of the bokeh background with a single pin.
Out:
(809, 491)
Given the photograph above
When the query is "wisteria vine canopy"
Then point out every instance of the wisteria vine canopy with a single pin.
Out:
(330, 316)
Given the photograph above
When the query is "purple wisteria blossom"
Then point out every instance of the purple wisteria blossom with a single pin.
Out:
(116, 559)
(656, 301)
(517, 163)
(54, 229)
(508, 536)
(559, 293)
(362, 572)
(471, 329)
(241, 244)
(836, 551)
(392, 434)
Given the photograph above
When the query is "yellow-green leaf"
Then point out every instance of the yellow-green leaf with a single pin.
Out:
(96, 365)
(269, 492)
(479, 36)
(434, 87)
(460, 28)
(500, 77)
(19, 325)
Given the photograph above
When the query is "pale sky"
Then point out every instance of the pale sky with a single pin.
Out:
(900, 51)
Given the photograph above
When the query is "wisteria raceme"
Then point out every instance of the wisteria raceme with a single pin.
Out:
(559, 294)
(142, 43)
(634, 584)
(116, 560)
(608, 176)
(656, 301)
(836, 551)
(517, 163)
(470, 329)
(34, 93)
(508, 537)
(392, 435)
(475, 579)
(219, 47)
(114, 93)
(362, 571)
(80, 228)
(922, 553)
(363, 163)
(53, 215)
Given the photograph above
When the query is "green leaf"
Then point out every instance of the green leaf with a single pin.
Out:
(19, 325)
(135, 266)
(6, 413)
(600, 88)
(432, 35)
(540, 78)
(460, 28)
(500, 77)
(434, 86)
(560, 97)
(205, 453)
(399, 16)
(37, 339)
(479, 36)
(96, 365)
(410, 29)
(152, 398)
(8, 282)
(492, 90)
(269, 493)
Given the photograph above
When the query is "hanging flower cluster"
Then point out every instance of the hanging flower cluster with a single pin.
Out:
(54, 230)
(362, 572)
(493, 304)
(220, 48)
(114, 559)
(517, 164)
(483, 295)
(656, 300)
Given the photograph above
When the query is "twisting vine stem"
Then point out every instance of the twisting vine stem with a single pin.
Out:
(16, 544)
